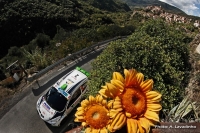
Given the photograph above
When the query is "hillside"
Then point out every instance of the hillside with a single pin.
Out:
(22, 20)
(108, 5)
(143, 3)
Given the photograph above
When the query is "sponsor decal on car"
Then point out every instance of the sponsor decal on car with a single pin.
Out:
(69, 81)
(67, 95)
(46, 106)
(75, 76)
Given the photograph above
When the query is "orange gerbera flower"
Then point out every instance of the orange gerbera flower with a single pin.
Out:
(135, 99)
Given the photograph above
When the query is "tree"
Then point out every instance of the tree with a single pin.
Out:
(42, 40)
(15, 51)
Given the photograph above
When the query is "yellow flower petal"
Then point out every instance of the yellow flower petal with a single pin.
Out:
(140, 127)
(80, 108)
(105, 93)
(88, 130)
(140, 78)
(118, 84)
(145, 124)
(84, 103)
(120, 122)
(147, 85)
(153, 96)
(110, 104)
(80, 117)
(126, 72)
(99, 99)
(104, 102)
(112, 113)
(130, 77)
(92, 99)
(132, 126)
(151, 115)
(79, 112)
(104, 130)
(118, 76)
(128, 114)
(112, 89)
(95, 130)
(154, 106)
(84, 124)
(76, 120)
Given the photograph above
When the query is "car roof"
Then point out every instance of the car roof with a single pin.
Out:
(66, 84)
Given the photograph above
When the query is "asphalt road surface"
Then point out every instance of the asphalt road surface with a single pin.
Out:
(23, 117)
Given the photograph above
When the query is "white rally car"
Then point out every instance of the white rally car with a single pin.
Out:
(62, 97)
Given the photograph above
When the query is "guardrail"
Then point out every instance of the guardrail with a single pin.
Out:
(83, 51)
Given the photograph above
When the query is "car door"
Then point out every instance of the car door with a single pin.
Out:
(74, 100)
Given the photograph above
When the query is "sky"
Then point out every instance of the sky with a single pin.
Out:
(190, 7)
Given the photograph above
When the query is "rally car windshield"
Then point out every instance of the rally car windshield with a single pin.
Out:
(55, 99)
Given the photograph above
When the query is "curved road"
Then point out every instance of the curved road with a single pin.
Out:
(23, 117)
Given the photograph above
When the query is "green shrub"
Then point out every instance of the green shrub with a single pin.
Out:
(156, 50)
(39, 59)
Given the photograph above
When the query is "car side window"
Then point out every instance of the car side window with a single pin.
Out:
(83, 86)
(74, 97)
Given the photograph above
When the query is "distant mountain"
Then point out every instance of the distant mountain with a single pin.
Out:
(109, 5)
(143, 3)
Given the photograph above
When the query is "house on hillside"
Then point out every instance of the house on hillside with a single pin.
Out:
(196, 23)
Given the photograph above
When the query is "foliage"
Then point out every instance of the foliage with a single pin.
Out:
(69, 46)
(42, 40)
(109, 5)
(37, 58)
(108, 31)
(185, 111)
(155, 49)
(95, 20)
(22, 20)
(15, 51)
(60, 35)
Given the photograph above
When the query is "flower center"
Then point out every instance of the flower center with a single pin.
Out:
(134, 102)
(96, 116)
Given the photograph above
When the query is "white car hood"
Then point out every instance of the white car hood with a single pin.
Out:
(46, 111)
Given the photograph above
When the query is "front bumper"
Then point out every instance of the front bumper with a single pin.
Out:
(53, 122)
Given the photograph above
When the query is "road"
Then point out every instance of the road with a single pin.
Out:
(23, 117)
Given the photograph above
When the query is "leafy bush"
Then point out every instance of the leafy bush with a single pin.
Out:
(37, 58)
(156, 50)
(15, 51)
(42, 40)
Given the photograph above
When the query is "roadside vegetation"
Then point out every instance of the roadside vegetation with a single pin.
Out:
(157, 49)
(53, 29)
